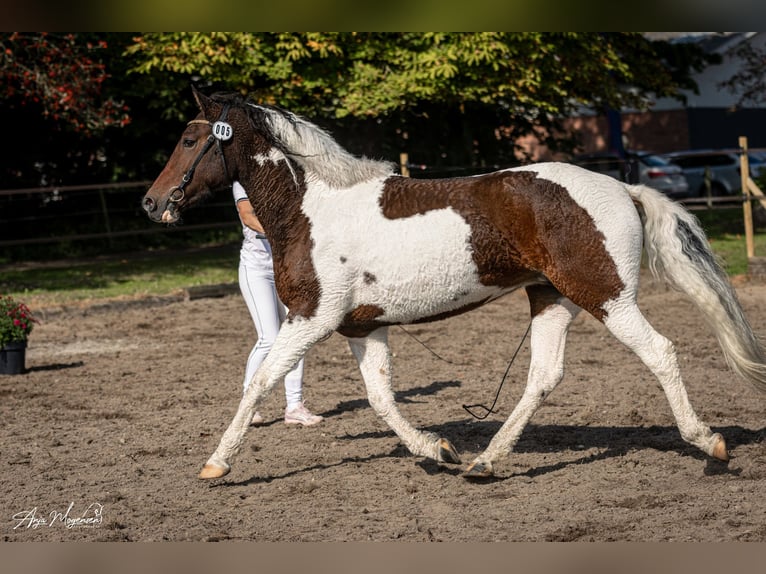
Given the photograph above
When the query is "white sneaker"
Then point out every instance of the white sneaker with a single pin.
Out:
(300, 415)
(257, 419)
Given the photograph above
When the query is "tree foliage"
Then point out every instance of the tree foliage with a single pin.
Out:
(76, 113)
(750, 80)
(62, 75)
(374, 74)
(454, 98)
(484, 90)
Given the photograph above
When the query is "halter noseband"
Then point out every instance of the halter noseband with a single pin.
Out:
(221, 131)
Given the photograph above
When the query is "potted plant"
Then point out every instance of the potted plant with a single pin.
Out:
(16, 322)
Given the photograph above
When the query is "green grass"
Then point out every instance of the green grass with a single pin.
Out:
(731, 249)
(157, 273)
(129, 276)
(726, 231)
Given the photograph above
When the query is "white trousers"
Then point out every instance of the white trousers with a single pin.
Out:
(268, 312)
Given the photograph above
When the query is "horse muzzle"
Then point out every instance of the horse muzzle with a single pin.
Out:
(163, 211)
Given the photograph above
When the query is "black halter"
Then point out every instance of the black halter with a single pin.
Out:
(214, 137)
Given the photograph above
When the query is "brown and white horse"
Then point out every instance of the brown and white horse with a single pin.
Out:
(358, 248)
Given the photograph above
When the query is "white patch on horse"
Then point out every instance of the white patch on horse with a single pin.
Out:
(274, 156)
(412, 267)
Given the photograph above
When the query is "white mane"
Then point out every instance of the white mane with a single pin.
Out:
(320, 155)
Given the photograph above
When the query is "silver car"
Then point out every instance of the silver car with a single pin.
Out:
(723, 169)
(661, 174)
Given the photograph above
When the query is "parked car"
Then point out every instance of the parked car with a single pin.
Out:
(723, 168)
(663, 175)
(639, 167)
(757, 161)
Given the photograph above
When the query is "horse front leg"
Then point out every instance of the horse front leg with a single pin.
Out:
(291, 344)
(374, 357)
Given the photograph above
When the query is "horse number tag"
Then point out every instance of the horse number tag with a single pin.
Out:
(222, 131)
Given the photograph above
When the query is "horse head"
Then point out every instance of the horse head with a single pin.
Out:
(203, 160)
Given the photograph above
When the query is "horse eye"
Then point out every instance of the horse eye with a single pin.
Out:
(189, 143)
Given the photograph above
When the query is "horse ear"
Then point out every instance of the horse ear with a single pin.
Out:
(203, 102)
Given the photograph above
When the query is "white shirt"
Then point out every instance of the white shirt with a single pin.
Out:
(256, 250)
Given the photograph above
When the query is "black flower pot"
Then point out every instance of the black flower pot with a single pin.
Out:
(12, 357)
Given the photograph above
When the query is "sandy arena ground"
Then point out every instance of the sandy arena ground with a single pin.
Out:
(103, 437)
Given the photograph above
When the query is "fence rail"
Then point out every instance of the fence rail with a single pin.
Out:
(66, 188)
(108, 211)
(57, 214)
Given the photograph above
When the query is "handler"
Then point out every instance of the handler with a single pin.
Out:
(256, 281)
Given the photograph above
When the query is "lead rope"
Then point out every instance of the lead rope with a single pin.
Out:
(491, 410)
(468, 408)
(426, 347)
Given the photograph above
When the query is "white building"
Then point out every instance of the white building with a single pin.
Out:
(709, 119)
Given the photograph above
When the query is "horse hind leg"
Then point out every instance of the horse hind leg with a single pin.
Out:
(374, 358)
(552, 315)
(627, 323)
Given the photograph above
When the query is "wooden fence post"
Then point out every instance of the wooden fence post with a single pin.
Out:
(403, 162)
(747, 207)
(105, 213)
(756, 266)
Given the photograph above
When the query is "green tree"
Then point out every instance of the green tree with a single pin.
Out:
(749, 81)
(370, 74)
(449, 98)
(514, 84)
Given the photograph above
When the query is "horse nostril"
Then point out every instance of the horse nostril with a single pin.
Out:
(148, 204)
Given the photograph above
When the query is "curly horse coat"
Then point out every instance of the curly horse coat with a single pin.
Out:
(358, 248)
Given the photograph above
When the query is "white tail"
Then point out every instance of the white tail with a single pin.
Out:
(679, 253)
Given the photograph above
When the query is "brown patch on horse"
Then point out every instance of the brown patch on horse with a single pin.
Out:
(295, 278)
(276, 192)
(448, 314)
(369, 278)
(289, 233)
(361, 321)
(541, 297)
(522, 226)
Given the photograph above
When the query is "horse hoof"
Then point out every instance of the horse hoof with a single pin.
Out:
(719, 450)
(478, 470)
(213, 471)
(447, 452)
